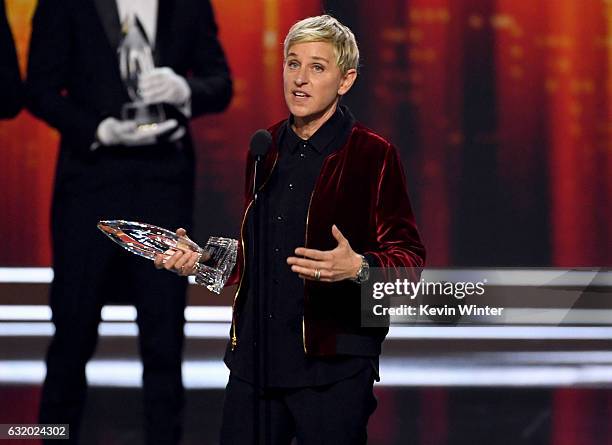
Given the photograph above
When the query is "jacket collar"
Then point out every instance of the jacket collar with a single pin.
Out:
(165, 10)
(276, 131)
(109, 16)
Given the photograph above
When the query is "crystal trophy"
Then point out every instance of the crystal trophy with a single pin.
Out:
(135, 59)
(148, 240)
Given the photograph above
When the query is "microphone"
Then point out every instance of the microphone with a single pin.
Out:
(260, 144)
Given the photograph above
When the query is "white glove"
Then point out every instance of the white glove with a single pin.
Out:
(112, 131)
(164, 85)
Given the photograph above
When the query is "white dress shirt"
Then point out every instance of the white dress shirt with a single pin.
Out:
(145, 10)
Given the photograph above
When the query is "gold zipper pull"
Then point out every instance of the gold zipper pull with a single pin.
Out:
(304, 335)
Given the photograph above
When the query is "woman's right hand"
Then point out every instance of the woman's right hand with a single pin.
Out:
(181, 262)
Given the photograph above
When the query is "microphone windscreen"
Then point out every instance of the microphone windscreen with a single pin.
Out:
(260, 143)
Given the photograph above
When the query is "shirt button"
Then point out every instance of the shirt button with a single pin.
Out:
(276, 250)
(302, 155)
(270, 316)
(290, 186)
(279, 218)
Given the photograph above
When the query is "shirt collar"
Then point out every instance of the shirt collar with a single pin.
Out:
(323, 137)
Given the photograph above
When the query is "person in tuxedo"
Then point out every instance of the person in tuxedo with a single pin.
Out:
(10, 79)
(334, 202)
(108, 168)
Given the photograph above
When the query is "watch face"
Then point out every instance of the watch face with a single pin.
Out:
(364, 272)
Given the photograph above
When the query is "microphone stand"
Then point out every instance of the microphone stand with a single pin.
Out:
(259, 146)
(259, 337)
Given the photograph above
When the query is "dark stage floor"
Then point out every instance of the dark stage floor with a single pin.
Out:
(455, 386)
(424, 416)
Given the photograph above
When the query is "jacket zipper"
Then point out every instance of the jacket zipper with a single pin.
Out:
(305, 245)
(306, 242)
(234, 339)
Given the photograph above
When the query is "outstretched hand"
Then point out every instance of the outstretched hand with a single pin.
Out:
(178, 260)
(338, 264)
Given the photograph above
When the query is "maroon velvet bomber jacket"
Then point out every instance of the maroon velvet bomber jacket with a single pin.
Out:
(361, 189)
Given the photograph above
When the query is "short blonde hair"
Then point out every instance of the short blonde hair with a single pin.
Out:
(325, 28)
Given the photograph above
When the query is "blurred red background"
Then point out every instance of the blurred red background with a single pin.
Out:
(501, 110)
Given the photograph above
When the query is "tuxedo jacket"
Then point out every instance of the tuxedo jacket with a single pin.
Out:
(362, 189)
(74, 82)
(11, 97)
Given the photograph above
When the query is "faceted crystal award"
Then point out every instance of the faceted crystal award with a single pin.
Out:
(147, 241)
(136, 58)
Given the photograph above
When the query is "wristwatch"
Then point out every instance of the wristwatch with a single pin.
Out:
(363, 274)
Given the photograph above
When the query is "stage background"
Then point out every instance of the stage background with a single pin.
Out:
(501, 110)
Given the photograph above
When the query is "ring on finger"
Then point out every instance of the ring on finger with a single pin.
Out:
(317, 274)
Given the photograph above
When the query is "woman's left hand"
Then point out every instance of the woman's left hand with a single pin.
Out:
(338, 264)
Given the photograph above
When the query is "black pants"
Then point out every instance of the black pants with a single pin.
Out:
(335, 414)
(90, 271)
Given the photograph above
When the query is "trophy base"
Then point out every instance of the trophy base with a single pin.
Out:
(215, 273)
(145, 115)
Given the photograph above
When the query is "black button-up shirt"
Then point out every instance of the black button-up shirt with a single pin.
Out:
(285, 200)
